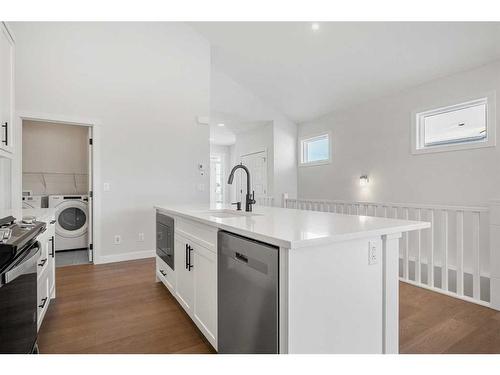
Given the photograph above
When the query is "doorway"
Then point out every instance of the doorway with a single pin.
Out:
(217, 179)
(256, 163)
(57, 176)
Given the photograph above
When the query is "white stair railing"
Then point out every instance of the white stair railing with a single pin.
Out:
(265, 201)
(452, 257)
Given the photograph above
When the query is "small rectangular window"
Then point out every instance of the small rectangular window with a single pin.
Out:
(454, 127)
(315, 150)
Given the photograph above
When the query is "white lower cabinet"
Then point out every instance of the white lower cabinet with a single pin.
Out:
(165, 274)
(205, 291)
(43, 298)
(194, 281)
(46, 277)
(184, 273)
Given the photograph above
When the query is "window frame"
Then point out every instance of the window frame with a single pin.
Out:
(418, 117)
(309, 137)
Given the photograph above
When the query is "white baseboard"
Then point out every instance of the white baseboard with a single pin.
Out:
(124, 257)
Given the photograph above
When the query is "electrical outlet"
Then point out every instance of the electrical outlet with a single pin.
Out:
(141, 237)
(107, 186)
(118, 239)
(372, 252)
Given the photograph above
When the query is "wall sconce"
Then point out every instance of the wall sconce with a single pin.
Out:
(363, 180)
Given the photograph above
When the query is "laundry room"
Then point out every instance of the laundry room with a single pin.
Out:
(56, 163)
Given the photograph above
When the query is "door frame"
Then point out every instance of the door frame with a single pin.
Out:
(94, 165)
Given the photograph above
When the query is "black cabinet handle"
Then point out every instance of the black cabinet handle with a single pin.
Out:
(189, 259)
(53, 222)
(44, 300)
(6, 140)
(186, 256)
(163, 273)
(42, 262)
(53, 252)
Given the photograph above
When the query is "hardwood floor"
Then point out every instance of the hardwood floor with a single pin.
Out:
(432, 323)
(116, 308)
(119, 308)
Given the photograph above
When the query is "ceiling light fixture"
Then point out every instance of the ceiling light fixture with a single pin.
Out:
(315, 26)
(221, 124)
(363, 180)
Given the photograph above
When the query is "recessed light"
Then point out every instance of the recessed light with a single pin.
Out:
(221, 124)
(315, 26)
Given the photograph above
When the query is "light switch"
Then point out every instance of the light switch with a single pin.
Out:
(107, 186)
(372, 252)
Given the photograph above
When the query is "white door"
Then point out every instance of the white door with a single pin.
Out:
(257, 165)
(184, 274)
(5, 90)
(205, 291)
(91, 198)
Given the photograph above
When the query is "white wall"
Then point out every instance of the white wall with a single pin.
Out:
(374, 138)
(145, 83)
(227, 96)
(60, 153)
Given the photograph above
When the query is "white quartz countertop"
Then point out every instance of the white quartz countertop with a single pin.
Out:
(291, 228)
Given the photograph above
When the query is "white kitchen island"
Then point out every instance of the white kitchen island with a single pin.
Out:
(338, 274)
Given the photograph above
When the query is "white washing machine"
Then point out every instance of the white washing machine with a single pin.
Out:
(72, 221)
(32, 201)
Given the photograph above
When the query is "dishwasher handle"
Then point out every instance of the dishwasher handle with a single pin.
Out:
(240, 257)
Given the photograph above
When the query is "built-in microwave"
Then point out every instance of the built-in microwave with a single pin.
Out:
(165, 238)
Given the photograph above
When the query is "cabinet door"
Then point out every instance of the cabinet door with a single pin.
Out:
(184, 274)
(43, 299)
(205, 292)
(43, 260)
(6, 92)
(52, 266)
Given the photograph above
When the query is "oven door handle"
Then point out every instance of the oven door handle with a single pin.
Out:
(28, 261)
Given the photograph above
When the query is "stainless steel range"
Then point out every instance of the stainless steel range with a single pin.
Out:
(19, 252)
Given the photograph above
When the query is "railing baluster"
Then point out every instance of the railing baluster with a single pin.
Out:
(430, 262)
(460, 253)
(407, 250)
(476, 287)
(444, 266)
(418, 265)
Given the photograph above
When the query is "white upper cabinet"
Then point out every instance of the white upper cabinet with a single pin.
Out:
(6, 89)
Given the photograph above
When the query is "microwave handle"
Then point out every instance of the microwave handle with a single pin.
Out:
(28, 262)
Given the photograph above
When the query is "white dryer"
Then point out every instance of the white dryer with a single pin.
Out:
(72, 221)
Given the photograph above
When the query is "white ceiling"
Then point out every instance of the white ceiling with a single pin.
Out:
(305, 74)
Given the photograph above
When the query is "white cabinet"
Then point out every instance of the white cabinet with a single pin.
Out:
(205, 291)
(51, 247)
(165, 274)
(6, 89)
(184, 273)
(194, 281)
(46, 276)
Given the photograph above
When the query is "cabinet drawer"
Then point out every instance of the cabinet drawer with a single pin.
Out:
(165, 274)
(43, 298)
(204, 235)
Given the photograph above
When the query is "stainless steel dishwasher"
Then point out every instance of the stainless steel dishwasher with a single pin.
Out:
(247, 287)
